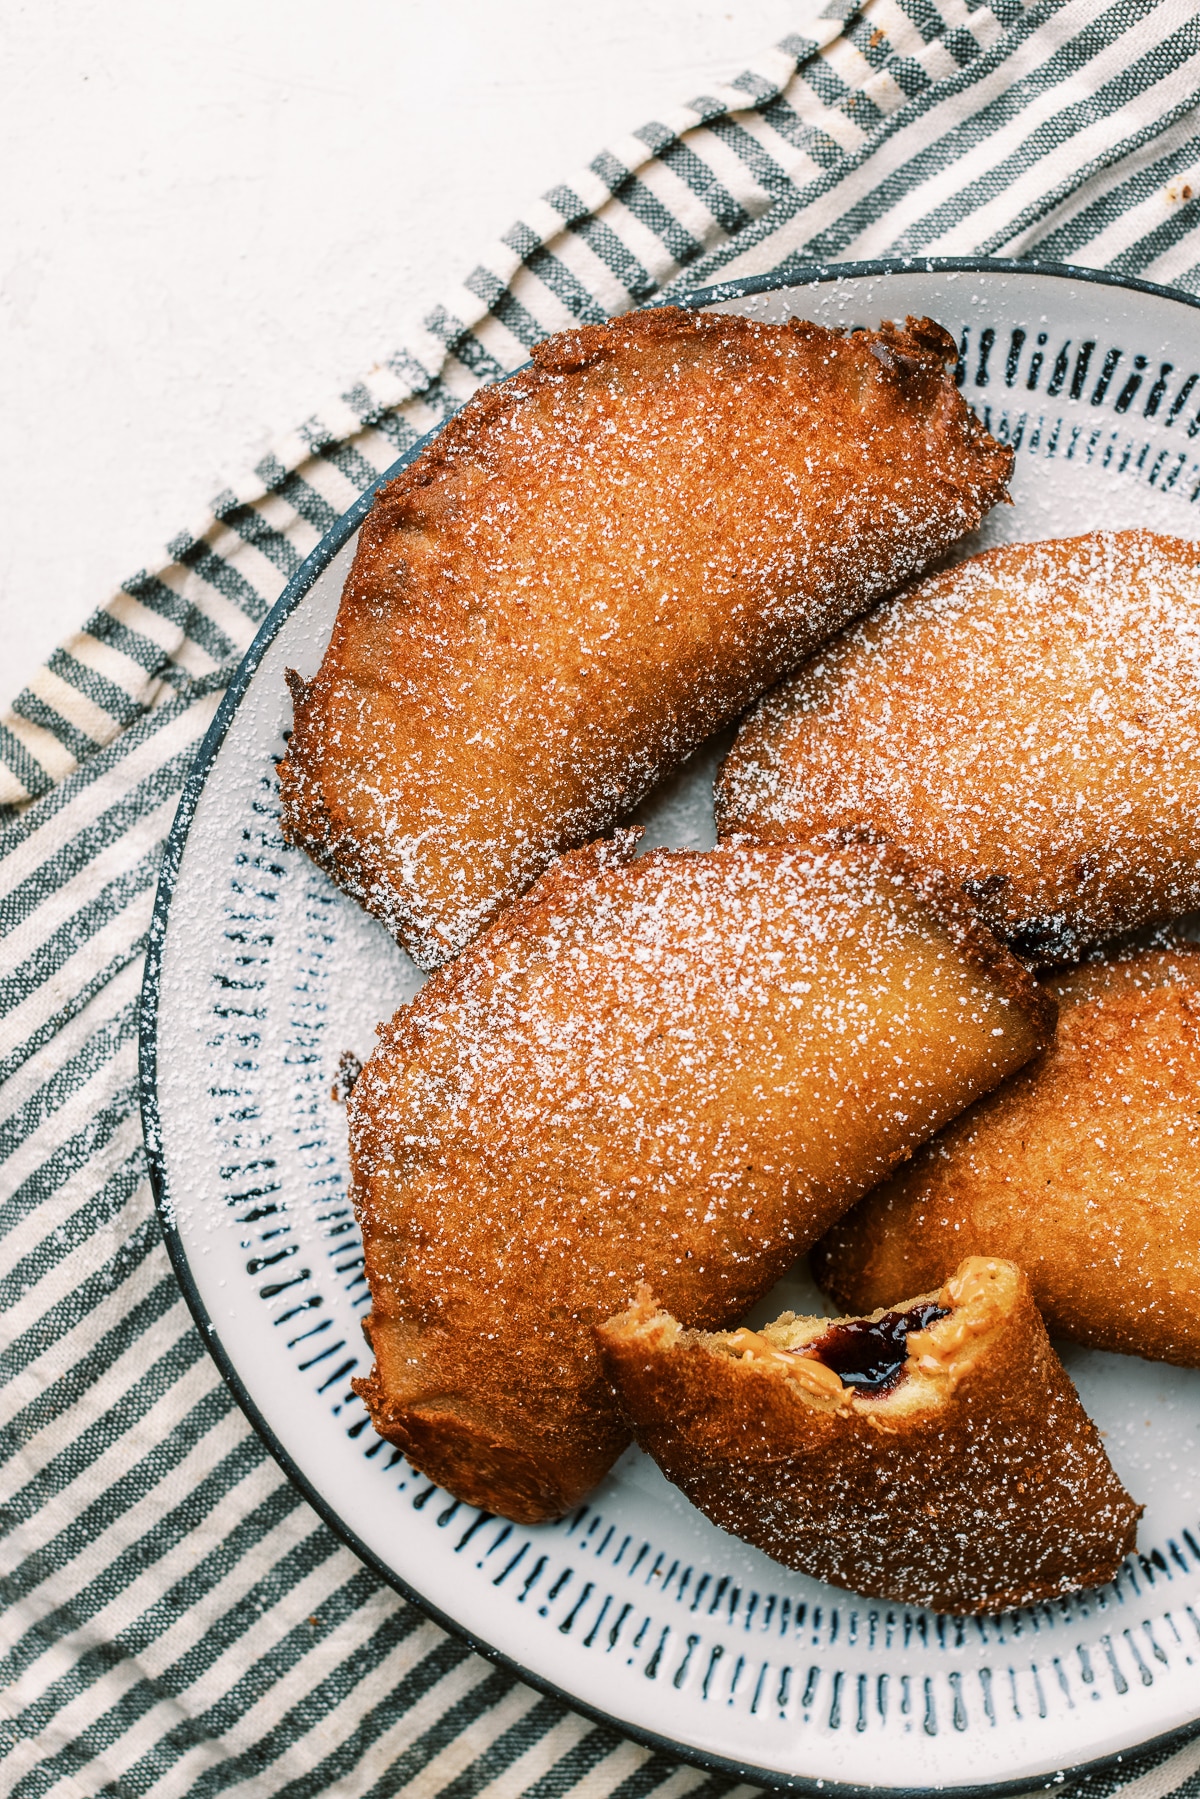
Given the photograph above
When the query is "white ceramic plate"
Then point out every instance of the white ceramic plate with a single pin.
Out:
(635, 1608)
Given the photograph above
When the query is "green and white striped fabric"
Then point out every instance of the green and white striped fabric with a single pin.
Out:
(177, 1621)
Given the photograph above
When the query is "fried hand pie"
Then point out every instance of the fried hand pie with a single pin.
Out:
(680, 1069)
(597, 563)
(1028, 720)
(1084, 1168)
(948, 1464)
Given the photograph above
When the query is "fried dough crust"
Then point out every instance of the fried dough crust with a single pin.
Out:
(680, 1069)
(597, 563)
(1084, 1168)
(1029, 720)
(977, 1485)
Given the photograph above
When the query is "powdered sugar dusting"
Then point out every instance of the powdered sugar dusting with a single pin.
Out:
(597, 564)
(1084, 1168)
(1029, 720)
(978, 1484)
(678, 1071)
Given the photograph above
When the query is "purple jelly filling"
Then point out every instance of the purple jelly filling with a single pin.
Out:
(870, 1354)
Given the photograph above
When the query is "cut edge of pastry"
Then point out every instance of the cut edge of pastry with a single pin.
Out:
(977, 1302)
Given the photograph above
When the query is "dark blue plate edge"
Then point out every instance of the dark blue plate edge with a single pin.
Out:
(816, 274)
(297, 588)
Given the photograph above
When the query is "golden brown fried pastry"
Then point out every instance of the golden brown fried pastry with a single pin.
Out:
(596, 564)
(681, 1070)
(1029, 720)
(1084, 1168)
(957, 1469)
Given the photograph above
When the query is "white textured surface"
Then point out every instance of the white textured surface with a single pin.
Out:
(214, 215)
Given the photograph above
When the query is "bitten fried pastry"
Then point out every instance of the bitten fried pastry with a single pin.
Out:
(1029, 720)
(935, 1454)
(597, 563)
(1084, 1168)
(680, 1069)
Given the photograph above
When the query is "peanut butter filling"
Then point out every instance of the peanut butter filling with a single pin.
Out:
(813, 1376)
(977, 1295)
(872, 1357)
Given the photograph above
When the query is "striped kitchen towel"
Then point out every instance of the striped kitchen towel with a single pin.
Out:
(176, 1620)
